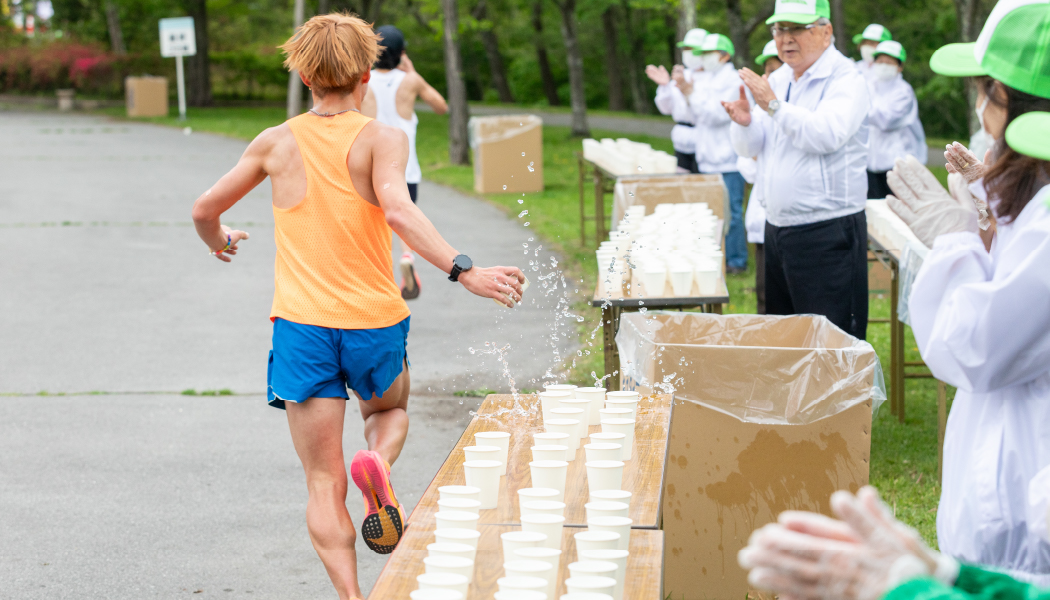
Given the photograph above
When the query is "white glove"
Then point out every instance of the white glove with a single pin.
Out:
(959, 190)
(923, 204)
(962, 161)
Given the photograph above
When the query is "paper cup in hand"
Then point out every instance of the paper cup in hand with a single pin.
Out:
(603, 452)
(533, 568)
(550, 452)
(569, 426)
(457, 535)
(467, 492)
(453, 504)
(512, 540)
(551, 556)
(456, 520)
(452, 549)
(550, 474)
(543, 507)
(549, 525)
(450, 564)
(435, 594)
(619, 557)
(624, 426)
(611, 496)
(620, 525)
(595, 400)
(484, 475)
(524, 286)
(596, 540)
(522, 583)
(448, 581)
(481, 453)
(601, 585)
(500, 439)
(578, 414)
(606, 508)
(604, 475)
(549, 400)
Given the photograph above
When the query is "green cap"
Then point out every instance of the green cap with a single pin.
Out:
(768, 52)
(891, 48)
(873, 33)
(716, 42)
(1028, 134)
(799, 11)
(1014, 48)
(693, 38)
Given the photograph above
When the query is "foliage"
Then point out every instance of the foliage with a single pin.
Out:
(31, 68)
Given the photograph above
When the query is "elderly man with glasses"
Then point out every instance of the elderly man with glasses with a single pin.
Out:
(809, 126)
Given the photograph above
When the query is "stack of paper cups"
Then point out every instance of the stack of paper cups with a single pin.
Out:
(624, 426)
(550, 474)
(619, 557)
(549, 400)
(595, 400)
(500, 439)
(484, 475)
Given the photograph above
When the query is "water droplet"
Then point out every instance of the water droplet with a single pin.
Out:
(520, 201)
(526, 223)
(523, 154)
(386, 186)
(504, 187)
(523, 213)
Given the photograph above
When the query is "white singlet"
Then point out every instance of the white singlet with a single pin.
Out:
(384, 87)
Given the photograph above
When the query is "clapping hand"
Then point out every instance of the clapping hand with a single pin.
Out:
(739, 110)
(759, 86)
(964, 162)
(658, 75)
(926, 207)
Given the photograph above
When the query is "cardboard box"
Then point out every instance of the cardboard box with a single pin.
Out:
(508, 153)
(770, 414)
(146, 96)
(670, 189)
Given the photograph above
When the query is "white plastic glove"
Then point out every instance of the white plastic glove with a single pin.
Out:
(925, 206)
(959, 190)
(964, 162)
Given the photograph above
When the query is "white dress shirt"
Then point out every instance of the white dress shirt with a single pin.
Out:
(671, 101)
(895, 127)
(714, 151)
(814, 150)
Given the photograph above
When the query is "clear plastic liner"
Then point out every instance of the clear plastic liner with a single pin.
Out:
(780, 370)
(675, 189)
(488, 130)
(910, 263)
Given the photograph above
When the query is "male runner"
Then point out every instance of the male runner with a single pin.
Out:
(392, 91)
(338, 317)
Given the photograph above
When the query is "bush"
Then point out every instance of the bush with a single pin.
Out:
(39, 68)
(248, 74)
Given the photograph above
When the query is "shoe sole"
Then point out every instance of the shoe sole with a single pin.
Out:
(384, 525)
(410, 282)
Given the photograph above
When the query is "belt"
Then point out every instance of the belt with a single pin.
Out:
(683, 124)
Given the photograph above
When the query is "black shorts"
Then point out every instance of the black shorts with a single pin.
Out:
(413, 191)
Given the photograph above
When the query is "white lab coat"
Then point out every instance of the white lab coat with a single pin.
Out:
(895, 127)
(714, 151)
(982, 323)
(863, 68)
(671, 101)
(814, 151)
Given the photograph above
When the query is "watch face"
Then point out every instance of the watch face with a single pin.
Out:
(463, 262)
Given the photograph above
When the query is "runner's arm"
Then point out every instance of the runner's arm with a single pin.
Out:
(416, 230)
(424, 90)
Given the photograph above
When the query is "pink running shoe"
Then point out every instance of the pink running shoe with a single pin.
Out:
(384, 522)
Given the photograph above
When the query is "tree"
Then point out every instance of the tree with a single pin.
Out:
(612, 59)
(838, 25)
(740, 30)
(639, 95)
(574, 57)
(458, 111)
(487, 33)
(970, 19)
(198, 70)
(550, 88)
(686, 21)
(295, 83)
(116, 36)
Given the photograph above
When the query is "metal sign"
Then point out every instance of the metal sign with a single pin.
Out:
(177, 37)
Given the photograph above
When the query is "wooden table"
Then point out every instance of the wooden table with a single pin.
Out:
(644, 566)
(643, 474)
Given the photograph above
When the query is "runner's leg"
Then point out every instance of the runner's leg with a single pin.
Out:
(317, 433)
(386, 418)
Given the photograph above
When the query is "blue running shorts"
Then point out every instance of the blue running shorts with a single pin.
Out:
(308, 361)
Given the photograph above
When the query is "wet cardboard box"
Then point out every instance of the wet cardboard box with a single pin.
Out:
(770, 414)
(508, 153)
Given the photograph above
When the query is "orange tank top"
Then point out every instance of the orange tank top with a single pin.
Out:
(334, 266)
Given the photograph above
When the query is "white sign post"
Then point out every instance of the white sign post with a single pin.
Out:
(178, 39)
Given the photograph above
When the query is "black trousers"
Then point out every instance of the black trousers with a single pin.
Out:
(877, 186)
(687, 161)
(760, 278)
(822, 269)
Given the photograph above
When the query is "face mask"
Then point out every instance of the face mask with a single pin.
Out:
(867, 54)
(691, 61)
(712, 61)
(980, 113)
(883, 72)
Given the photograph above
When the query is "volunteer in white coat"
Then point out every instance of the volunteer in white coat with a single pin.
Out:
(982, 317)
(866, 42)
(714, 151)
(671, 101)
(809, 129)
(895, 128)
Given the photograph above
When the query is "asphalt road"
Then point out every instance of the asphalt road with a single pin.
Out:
(123, 487)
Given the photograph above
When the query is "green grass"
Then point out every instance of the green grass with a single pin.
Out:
(904, 461)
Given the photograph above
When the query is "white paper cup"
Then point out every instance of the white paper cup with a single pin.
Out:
(631, 404)
(452, 549)
(595, 399)
(446, 581)
(534, 493)
(533, 568)
(682, 280)
(607, 508)
(512, 540)
(435, 594)
(586, 596)
(623, 394)
(561, 387)
(522, 583)
(550, 474)
(569, 426)
(549, 525)
(484, 475)
(482, 452)
(579, 414)
(500, 439)
(601, 585)
(550, 452)
(604, 475)
(616, 413)
(611, 496)
(601, 451)
(619, 557)
(584, 405)
(609, 438)
(457, 519)
(596, 540)
(450, 564)
(459, 504)
(551, 556)
(520, 594)
(544, 507)
(620, 525)
(458, 535)
(593, 568)
(547, 438)
(468, 492)
(624, 426)
(549, 400)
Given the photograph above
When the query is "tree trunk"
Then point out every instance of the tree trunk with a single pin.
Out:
(968, 15)
(116, 37)
(491, 45)
(686, 21)
(671, 25)
(574, 57)
(740, 30)
(324, 7)
(459, 112)
(550, 88)
(198, 71)
(838, 24)
(612, 59)
(295, 84)
(639, 98)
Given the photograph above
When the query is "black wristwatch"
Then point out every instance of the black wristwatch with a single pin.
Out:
(459, 264)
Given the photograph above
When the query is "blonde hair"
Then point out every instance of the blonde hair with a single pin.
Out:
(332, 52)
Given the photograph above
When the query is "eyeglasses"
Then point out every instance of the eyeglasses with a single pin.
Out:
(793, 31)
